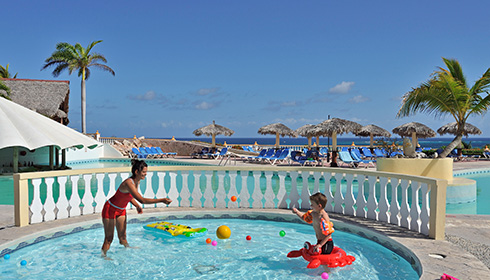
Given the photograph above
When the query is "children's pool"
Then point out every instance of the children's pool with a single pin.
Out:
(158, 256)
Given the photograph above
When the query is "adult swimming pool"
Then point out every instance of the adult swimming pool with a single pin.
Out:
(77, 255)
(482, 204)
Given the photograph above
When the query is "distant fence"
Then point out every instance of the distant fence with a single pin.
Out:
(412, 202)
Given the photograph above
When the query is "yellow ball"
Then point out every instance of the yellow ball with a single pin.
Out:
(223, 232)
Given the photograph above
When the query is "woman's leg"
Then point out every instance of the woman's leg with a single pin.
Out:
(109, 234)
(121, 230)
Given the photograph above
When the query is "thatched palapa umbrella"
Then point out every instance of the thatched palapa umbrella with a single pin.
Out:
(452, 128)
(372, 130)
(335, 126)
(213, 130)
(277, 129)
(307, 131)
(414, 130)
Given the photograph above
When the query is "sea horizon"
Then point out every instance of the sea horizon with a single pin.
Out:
(435, 142)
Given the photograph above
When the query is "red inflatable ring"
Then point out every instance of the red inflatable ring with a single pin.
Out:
(338, 257)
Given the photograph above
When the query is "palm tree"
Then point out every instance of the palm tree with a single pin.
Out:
(4, 72)
(78, 58)
(447, 93)
(6, 89)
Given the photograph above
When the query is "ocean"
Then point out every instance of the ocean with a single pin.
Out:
(436, 142)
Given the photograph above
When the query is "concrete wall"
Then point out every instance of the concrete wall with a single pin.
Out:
(433, 168)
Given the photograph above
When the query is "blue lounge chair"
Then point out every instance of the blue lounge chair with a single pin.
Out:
(356, 156)
(160, 152)
(261, 154)
(268, 154)
(137, 153)
(222, 153)
(378, 153)
(282, 157)
(144, 152)
(303, 160)
(367, 153)
(276, 154)
(346, 158)
(155, 152)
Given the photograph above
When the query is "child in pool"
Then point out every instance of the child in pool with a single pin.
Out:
(114, 211)
(321, 222)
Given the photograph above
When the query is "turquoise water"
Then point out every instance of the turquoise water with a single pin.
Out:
(77, 256)
(482, 204)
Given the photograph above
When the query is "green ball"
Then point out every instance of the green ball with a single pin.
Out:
(282, 233)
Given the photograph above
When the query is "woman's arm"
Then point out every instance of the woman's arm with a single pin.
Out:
(138, 207)
(136, 195)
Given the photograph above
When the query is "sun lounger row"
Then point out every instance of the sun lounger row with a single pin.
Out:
(150, 152)
(210, 153)
(271, 156)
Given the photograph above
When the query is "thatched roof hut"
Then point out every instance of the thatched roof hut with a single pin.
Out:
(213, 130)
(452, 128)
(372, 130)
(277, 129)
(49, 98)
(307, 131)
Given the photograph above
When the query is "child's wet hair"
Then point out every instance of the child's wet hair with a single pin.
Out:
(319, 198)
(137, 165)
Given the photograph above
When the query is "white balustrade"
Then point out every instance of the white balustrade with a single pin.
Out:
(204, 187)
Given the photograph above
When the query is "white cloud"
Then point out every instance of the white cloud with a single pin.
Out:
(149, 95)
(204, 106)
(359, 99)
(289, 104)
(342, 88)
(206, 91)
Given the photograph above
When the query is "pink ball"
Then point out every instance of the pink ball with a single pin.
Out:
(324, 275)
(214, 243)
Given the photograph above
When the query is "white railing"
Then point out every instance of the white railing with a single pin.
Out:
(415, 203)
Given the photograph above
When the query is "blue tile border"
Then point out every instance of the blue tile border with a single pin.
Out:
(386, 242)
(462, 173)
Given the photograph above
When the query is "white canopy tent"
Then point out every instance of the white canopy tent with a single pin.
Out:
(21, 127)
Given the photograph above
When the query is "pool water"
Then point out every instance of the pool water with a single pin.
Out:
(482, 204)
(159, 256)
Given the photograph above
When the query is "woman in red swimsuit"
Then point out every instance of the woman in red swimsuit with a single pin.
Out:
(114, 211)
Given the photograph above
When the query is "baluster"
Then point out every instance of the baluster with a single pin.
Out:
(208, 191)
(424, 214)
(173, 193)
(112, 185)
(339, 198)
(257, 193)
(316, 176)
(361, 200)
(220, 192)
(404, 207)
(415, 209)
(36, 206)
(349, 196)
(305, 191)
(75, 198)
(49, 203)
(161, 192)
(149, 193)
(244, 192)
(394, 207)
(269, 194)
(328, 191)
(294, 195)
(87, 199)
(196, 192)
(99, 196)
(383, 215)
(282, 195)
(62, 203)
(372, 204)
(184, 192)
(232, 191)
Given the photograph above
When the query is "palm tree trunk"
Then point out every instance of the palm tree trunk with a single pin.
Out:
(84, 104)
(455, 143)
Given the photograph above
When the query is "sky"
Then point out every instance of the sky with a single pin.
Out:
(182, 64)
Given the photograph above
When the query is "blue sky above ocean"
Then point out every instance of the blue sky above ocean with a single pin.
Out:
(182, 64)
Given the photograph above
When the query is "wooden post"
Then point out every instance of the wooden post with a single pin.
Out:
(51, 150)
(15, 164)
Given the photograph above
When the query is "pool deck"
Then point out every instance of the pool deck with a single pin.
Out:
(466, 250)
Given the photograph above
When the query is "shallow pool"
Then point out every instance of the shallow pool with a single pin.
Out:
(158, 256)
(482, 204)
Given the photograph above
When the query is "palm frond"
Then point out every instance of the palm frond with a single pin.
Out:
(103, 67)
